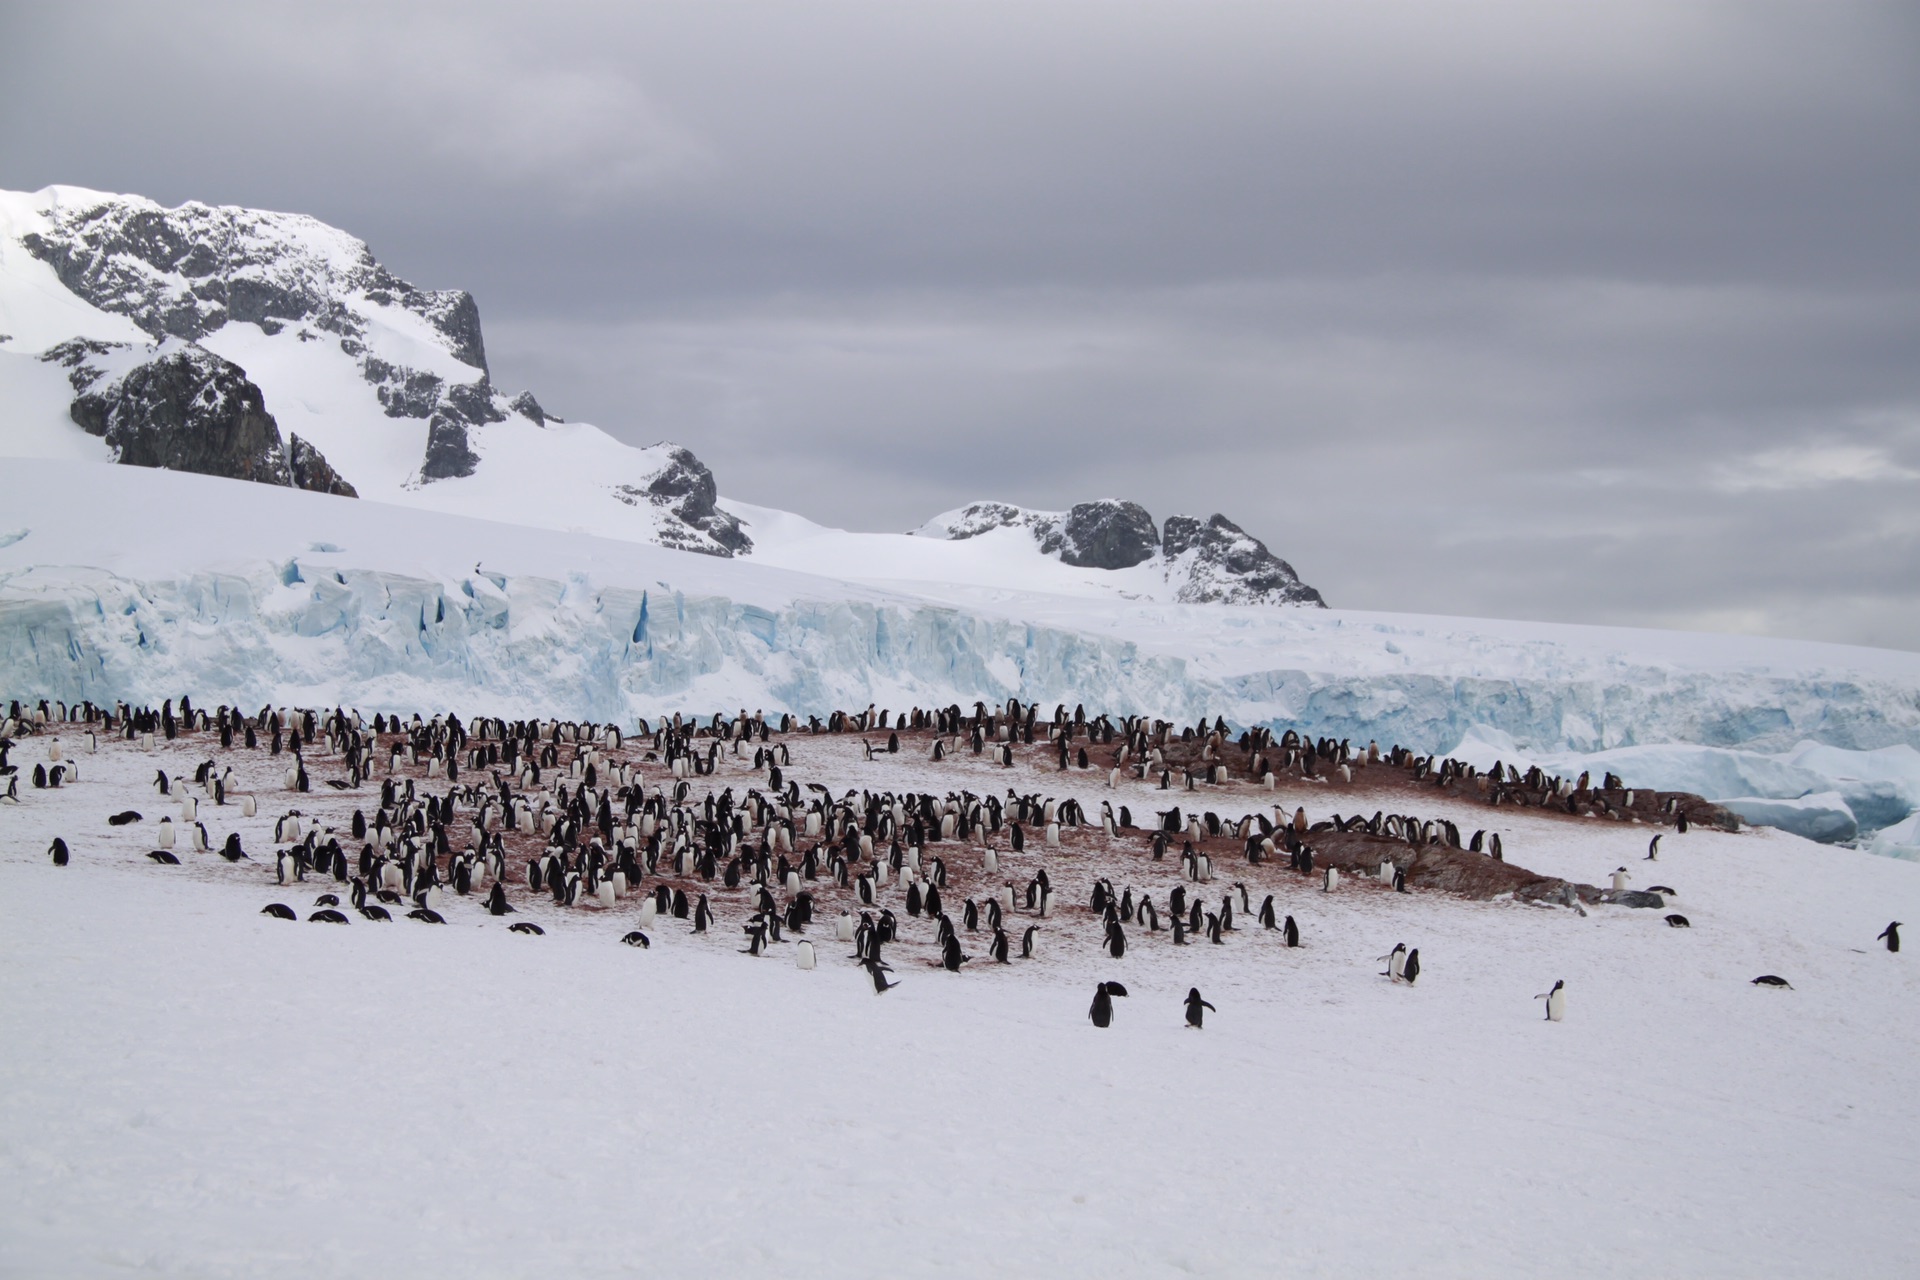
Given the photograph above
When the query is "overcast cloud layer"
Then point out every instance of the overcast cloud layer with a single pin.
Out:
(1607, 314)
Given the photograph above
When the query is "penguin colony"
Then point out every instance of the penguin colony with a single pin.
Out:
(707, 824)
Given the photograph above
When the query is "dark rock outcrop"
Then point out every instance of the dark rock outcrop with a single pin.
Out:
(449, 456)
(312, 472)
(1229, 565)
(186, 409)
(527, 407)
(685, 488)
(1103, 535)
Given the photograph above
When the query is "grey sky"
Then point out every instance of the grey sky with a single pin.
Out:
(1608, 313)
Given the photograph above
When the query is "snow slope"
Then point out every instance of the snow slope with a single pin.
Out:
(145, 585)
(189, 1088)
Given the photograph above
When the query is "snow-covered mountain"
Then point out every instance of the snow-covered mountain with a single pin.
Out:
(272, 347)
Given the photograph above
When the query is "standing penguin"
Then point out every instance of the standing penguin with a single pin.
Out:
(1891, 934)
(1194, 1006)
(1292, 932)
(58, 851)
(803, 956)
(1619, 879)
(497, 904)
(1653, 850)
(1556, 1001)
(1029, 941)
(1102, 1011)
(1396, 961)
(1412, 972)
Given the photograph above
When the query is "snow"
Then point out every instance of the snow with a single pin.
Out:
(190, 1088)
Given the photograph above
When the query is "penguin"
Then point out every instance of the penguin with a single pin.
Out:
(164, 858)
(803, 956)
(527, 927)
(1330, 879)
(1556, 1001)
(1412, 972)
(124, 817)
(1029, 941)
(702, 915)
(1891, 935)
(1772, 980)
(1678, 921)
(329, 916)
(1268, 918)
(1396, 962)
(1195, 1004)
(497, 904)
(375, 912)
(998, 948)
(1619, 879)
(950, 956)
(637, 939)
(1653, 850)
(1291, 932)
(327, 900)
(1116, 943)
(878, 972)
(426, 915)
(279, 911)
(166, 833)
(1101, 1014)
(58, 852)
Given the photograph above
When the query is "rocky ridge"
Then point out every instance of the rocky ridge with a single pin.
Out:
(1211, 561)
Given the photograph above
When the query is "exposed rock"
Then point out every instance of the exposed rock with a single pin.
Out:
(186, 272)
(685, 488)
(1103, 535)
(1632, 898)
(183, 408)
(403, 393)
(977, 518)
(311, 471)
(527, 407)
(448, 456)
(1221, 563)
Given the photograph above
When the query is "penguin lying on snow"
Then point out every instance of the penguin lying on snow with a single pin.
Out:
(124, 817)
(164, 858)
(1678, 921)
(329, 916)
(1772, 980)
(279, 911)
(637, 939)
(426, 915)
(526, 927)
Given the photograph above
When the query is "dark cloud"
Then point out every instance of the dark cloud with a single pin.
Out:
(1603, 315)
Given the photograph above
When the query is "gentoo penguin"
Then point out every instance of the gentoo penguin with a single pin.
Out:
(1678, 921)
(950, 957)
(1556, 1001)
(497, 904)
(124, 817)
(426, 915)
(166, 833)
(1268, 919)
(1653, 850)
(702, 915)
(1411, 973)
(58, 851)
(527, 927)
(373, 911)
(328, 916)
(1331, 880)
(803, 956)
(998, 948)
(1619, 879)
(1891, 935)
(279, 911)
(878, 972)
(1292, 932)
(843, 927)
(637, 939)
(1101, 1013)
(1194, 1007)
(1772, 980)
(1029, 941)
(1116, 943)
(1396, 961)
(327, 900)
(164, 858)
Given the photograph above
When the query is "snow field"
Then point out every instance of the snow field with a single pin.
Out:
(237, 1095)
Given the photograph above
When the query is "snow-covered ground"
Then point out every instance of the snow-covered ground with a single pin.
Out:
(188, 1087)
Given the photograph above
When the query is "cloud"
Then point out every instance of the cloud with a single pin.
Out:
(1810, 466)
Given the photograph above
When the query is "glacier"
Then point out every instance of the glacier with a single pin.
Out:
(127, 583)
